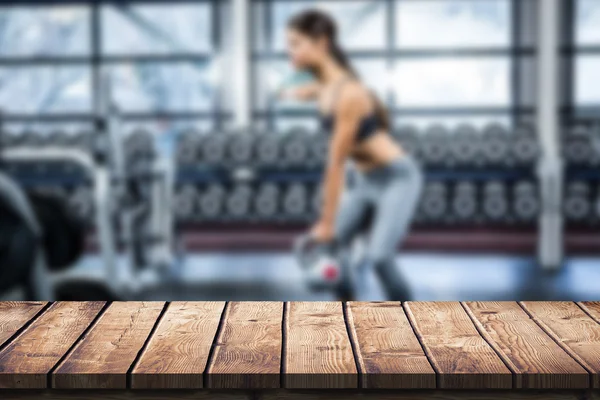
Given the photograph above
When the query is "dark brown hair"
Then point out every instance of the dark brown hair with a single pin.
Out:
(316, 25)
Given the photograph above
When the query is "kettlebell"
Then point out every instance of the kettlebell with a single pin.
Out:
(320, 267)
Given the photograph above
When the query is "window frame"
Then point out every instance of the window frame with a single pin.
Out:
(516, 52)
(96, 61)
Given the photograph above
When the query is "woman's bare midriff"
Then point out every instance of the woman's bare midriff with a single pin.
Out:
(376, 151)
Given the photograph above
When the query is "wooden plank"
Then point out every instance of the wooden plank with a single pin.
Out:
(177, 353)
(460, 356)
(101, 360)
(297, 395)
(174, 394)
(387, 350)
(15, 314)
(27, 360)
(592, 308)
(318, 353)
(572, 329)
(248, 351)
(425, 395)
(534, 357)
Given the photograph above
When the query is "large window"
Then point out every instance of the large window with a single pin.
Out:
(434, 60)
(161, 59)
(60, 34)
(587, 54)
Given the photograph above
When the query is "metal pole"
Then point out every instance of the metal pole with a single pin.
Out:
(240, 62)
(550, 168)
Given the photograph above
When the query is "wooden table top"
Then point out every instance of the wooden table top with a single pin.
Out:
(300, 345)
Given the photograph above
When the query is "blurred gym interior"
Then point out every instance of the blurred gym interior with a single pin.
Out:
(145, 153)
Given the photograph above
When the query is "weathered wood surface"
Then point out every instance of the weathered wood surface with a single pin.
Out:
(318, 353)
(284, 394)
(289, 348)
(387, 350)
(102, 359)
(177, 353)
(248, 350)
(458, 353)
(15, 314)
(570, 326)
(535, 359)
(27, 360)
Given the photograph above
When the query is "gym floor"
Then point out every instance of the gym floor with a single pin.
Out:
(276, 276)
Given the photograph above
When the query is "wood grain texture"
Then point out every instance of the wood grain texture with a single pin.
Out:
(318, 353)
(248, 351)
(103, 357)
(296, 395)
(425, 395)
(15, 314)
(573, 329)
(177, 353)
(27, 360)
(592, 308)
(387, 350)
(460, 356)
(534, 357)
(111, 394)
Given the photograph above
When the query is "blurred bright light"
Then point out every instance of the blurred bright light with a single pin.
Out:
(588, 22)
(457, 23)
(452, 82)
(587, 88)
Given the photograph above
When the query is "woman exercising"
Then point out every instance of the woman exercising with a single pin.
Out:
(386, 180)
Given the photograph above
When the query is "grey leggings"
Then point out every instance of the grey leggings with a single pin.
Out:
(389, 196)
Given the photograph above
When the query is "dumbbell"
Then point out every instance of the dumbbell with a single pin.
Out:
(268, 149)
(465, 146)
(211, 202)
(318, 147)
(185, 202)
(267, 201)
(525, 147)
(525, 201)
(30, 138)
(597, 204)
(577, 202)
(59, 138)
(434, 146)
(464, 202)
(239, 202)
(9, 139)
(594, 133)
(82, 140)
(434, 203)
(408, 137)
(139, 144)
(81, 201)
(495, 202)
(295, 202)
(214, 148)
(240, 148)
(495, 147)
(188, 147)
(578, 145)
(295, 148)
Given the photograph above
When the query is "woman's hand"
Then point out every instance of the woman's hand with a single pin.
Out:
(322, 232)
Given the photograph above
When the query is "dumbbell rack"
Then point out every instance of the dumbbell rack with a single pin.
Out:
(581, 197)
(442, 168)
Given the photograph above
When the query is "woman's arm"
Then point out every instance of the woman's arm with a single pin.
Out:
(306, 92)
(347, 116)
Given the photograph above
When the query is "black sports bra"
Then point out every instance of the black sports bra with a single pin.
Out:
(369, 125)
